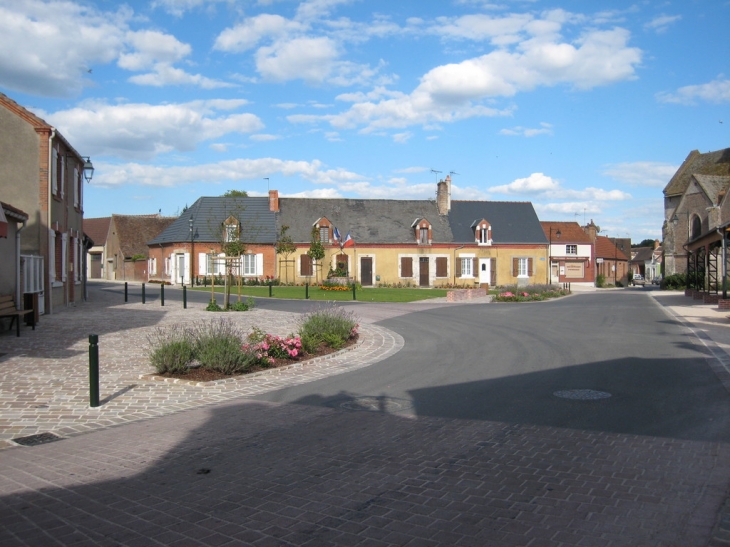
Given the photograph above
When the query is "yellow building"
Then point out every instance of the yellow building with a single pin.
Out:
(424, 243)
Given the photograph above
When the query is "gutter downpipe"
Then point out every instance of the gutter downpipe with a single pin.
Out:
(49, 296)
(724, 263)
(17, 264)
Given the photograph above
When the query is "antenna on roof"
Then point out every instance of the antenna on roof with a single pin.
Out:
(436, 173)
(453, 173)
(267, 183)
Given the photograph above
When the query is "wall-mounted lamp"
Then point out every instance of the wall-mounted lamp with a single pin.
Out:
(88, 168)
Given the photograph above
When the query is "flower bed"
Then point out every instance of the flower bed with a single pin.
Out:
(531, 293)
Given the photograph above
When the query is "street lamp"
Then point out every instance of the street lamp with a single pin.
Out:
(550, 255)
(192, 250)
(88, 168)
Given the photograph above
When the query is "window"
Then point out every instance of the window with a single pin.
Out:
(231, 233)
(152, 266)
(696, 227)
(441, 266)
(305, 265)
(466, 267)
(522, 267)
(324, 234)
(249, 264)
(571, 249)
(423, 236)
(406, 266)
(484, 235)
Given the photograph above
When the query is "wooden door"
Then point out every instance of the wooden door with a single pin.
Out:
(366, 271)
(423, 276)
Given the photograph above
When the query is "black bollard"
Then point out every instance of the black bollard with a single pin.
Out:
(162, 294)
(93, 370)
(269, 289)
(144, 298)
(306, 291)
(354, 291)
(185, 298)
(125, 293)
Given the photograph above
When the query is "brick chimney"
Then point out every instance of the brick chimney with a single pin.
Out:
(443, 195)
(274, 201)
(592, 230)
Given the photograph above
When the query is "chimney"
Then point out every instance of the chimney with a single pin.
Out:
(592, 230)
(274, 201)
(443, 195)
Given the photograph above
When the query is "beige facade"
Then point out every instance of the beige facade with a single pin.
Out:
(42, 174)
(429, 265)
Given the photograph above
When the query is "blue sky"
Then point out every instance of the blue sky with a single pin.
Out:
(586, 111)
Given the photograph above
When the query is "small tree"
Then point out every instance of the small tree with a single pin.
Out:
(235, 194)
(285, 245)
(316, 249)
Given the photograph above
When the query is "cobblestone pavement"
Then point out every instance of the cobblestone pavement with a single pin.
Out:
(44, 381)
(243, 472)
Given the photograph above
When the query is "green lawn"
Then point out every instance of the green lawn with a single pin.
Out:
(364, 295)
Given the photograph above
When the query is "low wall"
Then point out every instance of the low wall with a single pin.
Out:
(723, 304)
(465, 294)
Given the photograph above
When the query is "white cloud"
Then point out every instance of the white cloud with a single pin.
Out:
(165, 75)
(333, 136)
(545, 129)
(716, 91)
(152, 47)
(235, 170)
(642, 173)
(310, 59)
(412, 170)
(248, 34)
(535, 183)
(262, 137)
(402, 137)
(594, 194)
(319, 193)
(142, 131)
(568, 208)
(219, 147)
(47, 48)
(661, 24)
(179, 7)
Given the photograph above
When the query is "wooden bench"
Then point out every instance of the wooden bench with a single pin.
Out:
(9, 309)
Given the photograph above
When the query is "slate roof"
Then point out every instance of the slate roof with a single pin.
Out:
(712, 163)
(643, 254)
(258, 224)
(367, 220)
(511, 221)
(713, 185)
(606, 249)
(570, 232)
(133, 232)
(97, 229)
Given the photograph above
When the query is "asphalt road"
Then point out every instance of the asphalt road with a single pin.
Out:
(501, 362)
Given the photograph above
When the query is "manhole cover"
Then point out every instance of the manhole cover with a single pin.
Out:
(375, 404)
(40, 438)
(582, 394)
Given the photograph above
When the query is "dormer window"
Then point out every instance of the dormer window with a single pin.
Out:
(482, 232)
(423, 231)
(231, 230)
(324, 227)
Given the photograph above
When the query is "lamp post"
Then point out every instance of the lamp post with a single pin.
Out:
(192, 250)
(558, 233)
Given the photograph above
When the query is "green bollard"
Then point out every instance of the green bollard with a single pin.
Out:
(269, 289)
(185, 298)
(306, 291)
(126, 293)
(162, 294)
(93, 370)
(144, 300)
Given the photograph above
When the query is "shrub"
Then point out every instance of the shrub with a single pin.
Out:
(243, 306)
(171, 349)
(265, 348)
(329, 324)
(600, 281)
(530, 293)
(218, 347)
(674, 282)
(213, 306)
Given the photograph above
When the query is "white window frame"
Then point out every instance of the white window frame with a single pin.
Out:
(523, 267)
(231, 233)
(423, 235)
(248, 265)
(571, 250)
(467, 266)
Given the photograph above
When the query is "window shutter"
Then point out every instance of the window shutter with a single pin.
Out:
(458, 267)
(54, 172)
(306, 265)
(259, 264)
(64, 255)
(76, 187)
(62, 167)
(515, 267)
(475, 267)
(529, 267)
(202, 264)
(493, 272)
(441, 266)
(406, 266)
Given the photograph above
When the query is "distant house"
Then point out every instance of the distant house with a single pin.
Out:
(126, 252)
(611, 260)
(97, 229)
(646, 261)
(42, 174)
(427, 243)
(696, 213)
(194, 244)
(571, 254)
(422, 243)
(12, 222)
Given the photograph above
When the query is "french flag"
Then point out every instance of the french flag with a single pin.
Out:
(349, 242)
(336, 234)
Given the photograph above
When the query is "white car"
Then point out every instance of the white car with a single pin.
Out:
(638, 280)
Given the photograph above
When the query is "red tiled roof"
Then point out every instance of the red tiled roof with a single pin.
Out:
(570, 232)
(97, 229)
(606, 249)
